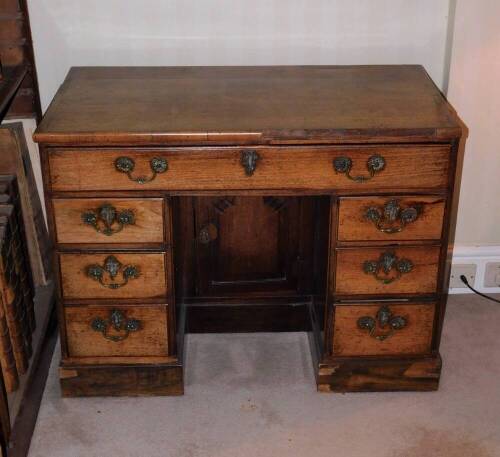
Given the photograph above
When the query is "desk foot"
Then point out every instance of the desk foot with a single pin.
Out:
(382, 375)
(121, 380)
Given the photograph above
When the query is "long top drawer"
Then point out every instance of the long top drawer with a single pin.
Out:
(301, 168)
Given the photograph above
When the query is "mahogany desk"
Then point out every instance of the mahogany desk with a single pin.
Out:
(204, 199)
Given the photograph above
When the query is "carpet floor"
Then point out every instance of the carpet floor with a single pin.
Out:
(253, 395)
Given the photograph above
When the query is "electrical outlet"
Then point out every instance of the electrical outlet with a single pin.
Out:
(492, 274)
(457, 270)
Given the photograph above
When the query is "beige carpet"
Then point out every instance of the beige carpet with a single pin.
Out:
(254, 395)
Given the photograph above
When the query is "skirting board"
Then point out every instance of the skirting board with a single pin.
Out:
(479, 256)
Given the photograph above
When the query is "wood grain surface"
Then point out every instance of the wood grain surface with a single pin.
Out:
(16, 50)
(408, 167)
(297, 120)
(196, 105)
(7, 360)
(15, 295)
(118, 380)
(380, 374)
(353, 225)
(415, 338)
(150, 340)
(16, 161)
(151, 282)
(147, 226)
(351, 279)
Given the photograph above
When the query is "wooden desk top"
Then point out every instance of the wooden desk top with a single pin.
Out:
(247, 105)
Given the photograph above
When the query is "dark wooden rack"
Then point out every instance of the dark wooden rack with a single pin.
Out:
(20, 99)
(9, 85)
(19, 94)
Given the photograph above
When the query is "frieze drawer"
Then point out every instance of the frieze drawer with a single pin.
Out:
(299, 167)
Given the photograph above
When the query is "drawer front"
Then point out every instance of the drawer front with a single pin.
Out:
(321, 167)
(378, 329)
(113, 275)
(86, 220)
(391, 218)
(127, 331)
(402, 270)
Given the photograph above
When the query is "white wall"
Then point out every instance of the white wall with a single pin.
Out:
(474, 90)
(235, 32)
(461, 53)
(243, 32)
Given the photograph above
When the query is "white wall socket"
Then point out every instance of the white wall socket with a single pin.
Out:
(492, 274)
(466, 269)
(487, 261)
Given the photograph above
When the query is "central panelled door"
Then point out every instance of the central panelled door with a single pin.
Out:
(257, 245)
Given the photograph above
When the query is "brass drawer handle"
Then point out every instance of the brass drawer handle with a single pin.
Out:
(374, 164)
(387, 262)
(391, 218)
(249, 158)
(385, 319)
(126, 165)
(119, 323)
(112, 266)
(107, 220)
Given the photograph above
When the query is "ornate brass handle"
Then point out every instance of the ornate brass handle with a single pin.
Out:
(385, 319)
(248, 160)
(387, 262)
(386, 218)
(107, 220)
(374, 164)
(119, 323)
(126, 165)
(112, 266)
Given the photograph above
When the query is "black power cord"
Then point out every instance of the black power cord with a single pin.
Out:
(464, 280)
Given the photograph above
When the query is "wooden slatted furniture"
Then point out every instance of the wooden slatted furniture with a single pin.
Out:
(251, 198)
(19, 96)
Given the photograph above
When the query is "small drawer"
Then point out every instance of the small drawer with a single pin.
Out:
(390, 218)
(401, 270)
(113, 275)
(117, 331)
(280, 167)
(383, 329)
(111, 220)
